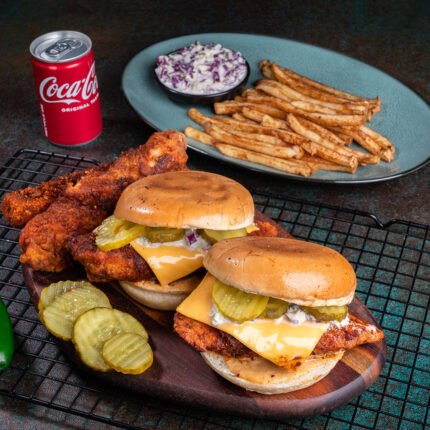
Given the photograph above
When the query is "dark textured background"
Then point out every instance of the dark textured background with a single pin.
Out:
(391, 35)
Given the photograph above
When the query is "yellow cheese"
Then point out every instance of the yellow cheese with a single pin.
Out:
(251, 228)
(170, 263)
(276, 340)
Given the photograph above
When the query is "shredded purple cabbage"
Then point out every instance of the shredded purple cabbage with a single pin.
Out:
(201, 69)
(191, 237)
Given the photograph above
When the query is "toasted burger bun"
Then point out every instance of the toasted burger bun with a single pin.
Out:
(189, 199)
(273, 379)
(162, 297)
(292, 270)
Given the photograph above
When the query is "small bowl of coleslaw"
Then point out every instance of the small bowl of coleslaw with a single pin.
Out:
(202, 73)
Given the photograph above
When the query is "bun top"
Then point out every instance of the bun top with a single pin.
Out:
(292, 270)
(188, 199)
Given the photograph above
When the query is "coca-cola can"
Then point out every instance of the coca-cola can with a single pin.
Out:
(67, 88)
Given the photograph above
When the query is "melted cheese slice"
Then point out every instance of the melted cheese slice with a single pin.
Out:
(251, 228)
(276, 340)
(170, 263)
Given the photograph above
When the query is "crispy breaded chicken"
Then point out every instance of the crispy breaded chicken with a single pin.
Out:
(85, 203)
(355, 333)
(125, 264)
(205, 338)
(20, 206)
(122, 264)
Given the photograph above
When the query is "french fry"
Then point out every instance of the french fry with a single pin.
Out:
(296, 167)
(322, 164)
(363, 140)
(271, 90)
(221, 135)
(198, 117)
(375, 105)
(295, 139)
(347, 140)
(286, 135)
(227, 108)
(253, 114)
(276, 73)
(327, 149)
(358, 104)
(313, 107)
(269, 110)
(266, 69)
(252, 92)
(269, 121)
(326, 88)
(323, 119)
(322, 131)
(381, 140)
(199, 135)
(387, 155)
(265, 119)
(285, 92)
(240, 117)
(272, 140)
(231, 107)
(249, 127)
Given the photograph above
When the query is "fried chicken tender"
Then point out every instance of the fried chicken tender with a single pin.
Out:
(205, 338)
(20, 206)
(85, 203)
(357, 332)
(125, 264)
(122, 264)
(267, 227)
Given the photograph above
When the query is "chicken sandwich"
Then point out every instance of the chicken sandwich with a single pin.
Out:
(272, 314)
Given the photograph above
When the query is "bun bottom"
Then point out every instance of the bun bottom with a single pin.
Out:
(161, 297)
(310, 372)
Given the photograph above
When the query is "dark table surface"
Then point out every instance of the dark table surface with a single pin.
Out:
(392, 36)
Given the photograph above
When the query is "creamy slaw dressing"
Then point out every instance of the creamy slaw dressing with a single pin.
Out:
(199, 244)
(295, 315)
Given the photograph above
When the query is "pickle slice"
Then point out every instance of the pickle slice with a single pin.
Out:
(276, 308)
(54, 290)
(214, 236)
(115, 233)
(93, 328)
(61, 314)
(128, 353)
(327, 313)
(236, 304)
(164, 234)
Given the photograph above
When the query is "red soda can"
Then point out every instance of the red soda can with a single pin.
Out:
(67, 88)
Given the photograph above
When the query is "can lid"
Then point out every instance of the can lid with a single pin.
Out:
(60, 46)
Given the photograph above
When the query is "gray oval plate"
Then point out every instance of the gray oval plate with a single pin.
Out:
(404, 118)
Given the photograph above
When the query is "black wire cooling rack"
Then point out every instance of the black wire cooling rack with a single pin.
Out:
(392, 262)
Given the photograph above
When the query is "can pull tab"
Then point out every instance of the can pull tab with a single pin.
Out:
(62, 47)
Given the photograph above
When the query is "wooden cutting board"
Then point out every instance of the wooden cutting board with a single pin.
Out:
(180, 374)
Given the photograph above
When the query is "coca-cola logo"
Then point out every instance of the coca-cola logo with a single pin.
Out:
(51, 92)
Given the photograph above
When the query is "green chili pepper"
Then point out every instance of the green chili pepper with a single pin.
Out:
(6, 338)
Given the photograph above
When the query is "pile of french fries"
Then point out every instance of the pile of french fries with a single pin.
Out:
(294, 124)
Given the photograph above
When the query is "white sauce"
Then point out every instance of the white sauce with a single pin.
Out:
(200, 243)
(340, 324)
(297, 315)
